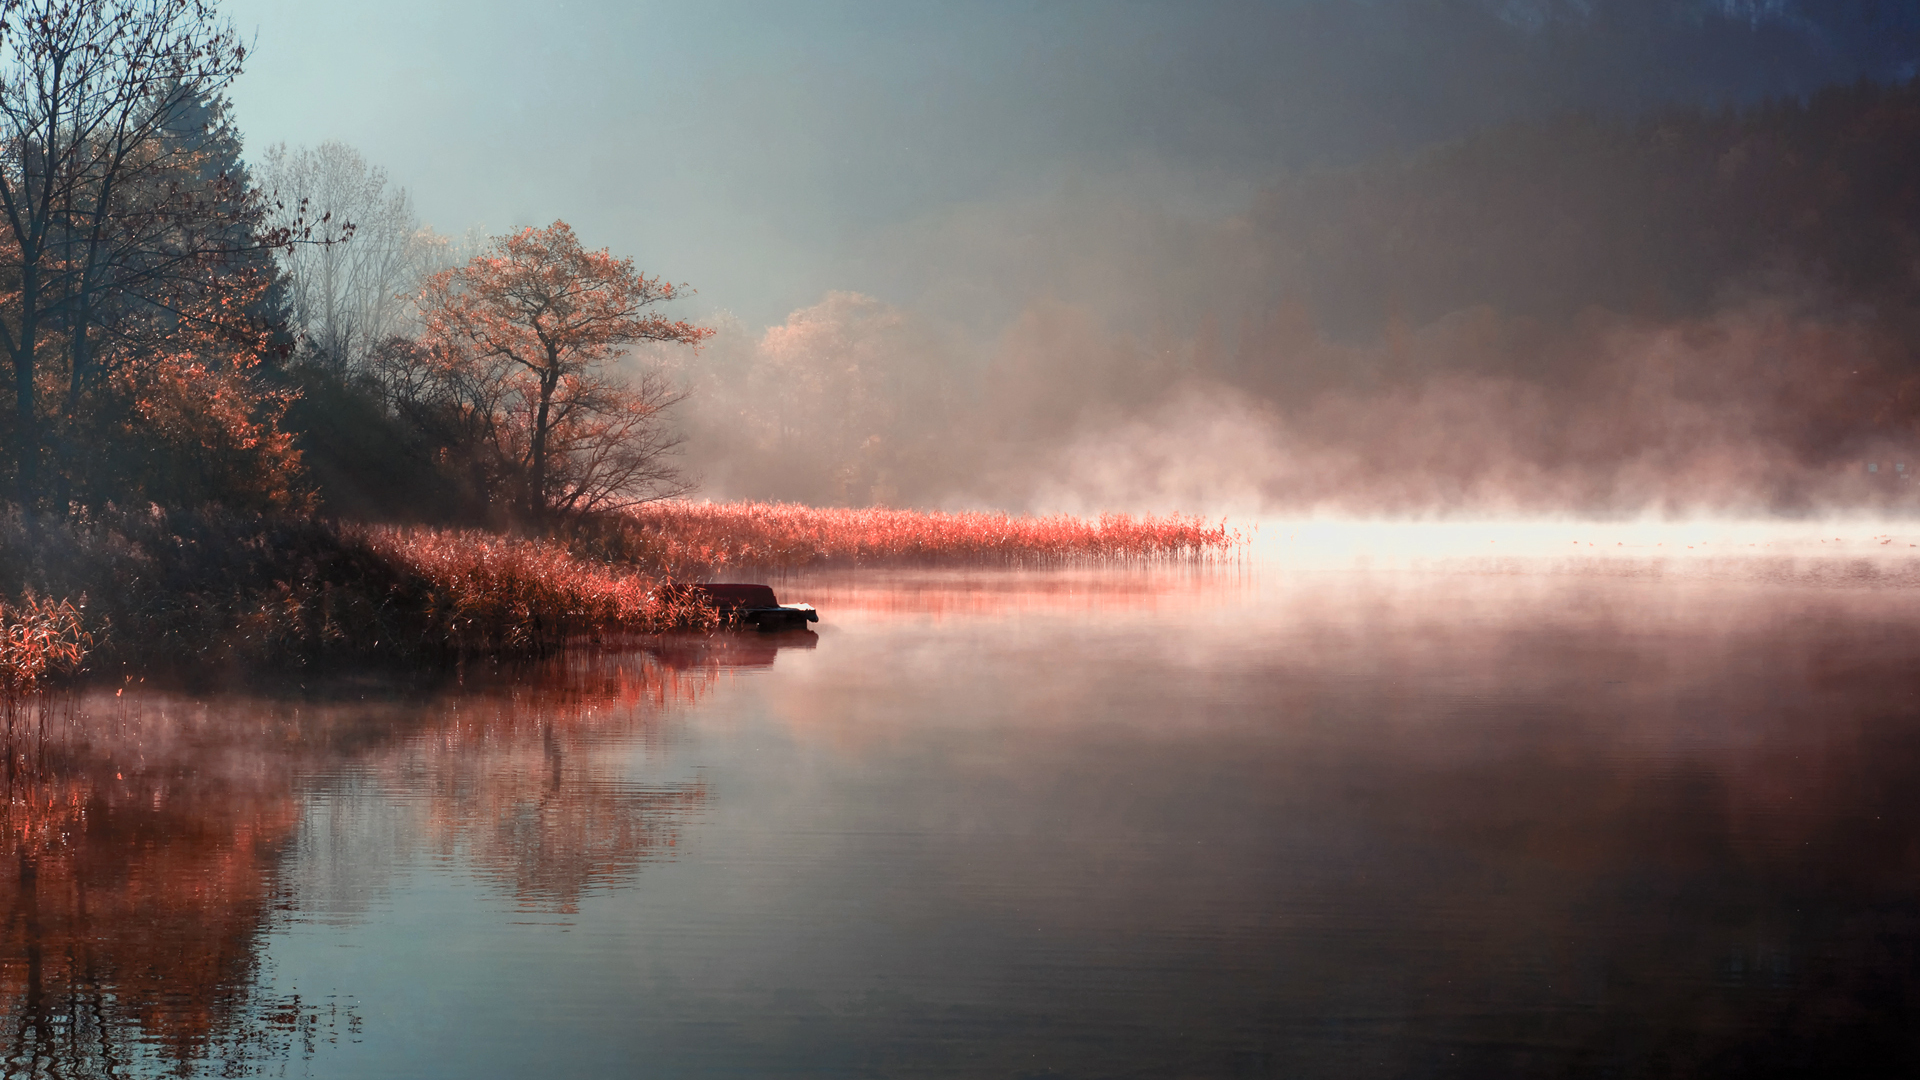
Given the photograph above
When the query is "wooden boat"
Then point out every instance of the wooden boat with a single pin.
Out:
(754, 605)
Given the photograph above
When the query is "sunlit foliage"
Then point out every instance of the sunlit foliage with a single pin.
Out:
(516, 361)
(39, 638)
(689, 538)
(851, 402)
(136, 286)
(495, 594)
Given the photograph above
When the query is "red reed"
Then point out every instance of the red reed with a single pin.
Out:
(209, 591)
(689, 538)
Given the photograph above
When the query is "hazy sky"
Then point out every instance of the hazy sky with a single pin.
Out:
(768, 152)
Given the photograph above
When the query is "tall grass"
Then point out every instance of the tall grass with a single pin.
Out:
(40, 638)
(690, 540)
(206, 591)
(501, 595)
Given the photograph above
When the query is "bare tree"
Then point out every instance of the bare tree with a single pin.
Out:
(352, 288)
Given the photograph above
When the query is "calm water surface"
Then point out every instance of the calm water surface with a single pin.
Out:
(1230, 822)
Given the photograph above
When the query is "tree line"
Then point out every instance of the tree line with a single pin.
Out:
(182, 332)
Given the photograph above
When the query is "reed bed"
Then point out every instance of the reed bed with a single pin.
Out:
(205, 592)
(200, 592)
(500, 595)
(700, 539)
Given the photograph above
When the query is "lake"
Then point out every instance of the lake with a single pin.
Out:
(1632, 815)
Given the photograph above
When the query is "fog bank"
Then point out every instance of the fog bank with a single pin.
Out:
(1691, 312)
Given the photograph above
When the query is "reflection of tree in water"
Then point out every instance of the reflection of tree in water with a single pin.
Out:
(147, 841)
(529, 788)
(133, 902)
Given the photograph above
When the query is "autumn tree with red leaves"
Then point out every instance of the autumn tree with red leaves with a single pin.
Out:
(136, 278)
(520, 349)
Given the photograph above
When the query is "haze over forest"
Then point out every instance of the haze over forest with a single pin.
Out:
(1389, 256)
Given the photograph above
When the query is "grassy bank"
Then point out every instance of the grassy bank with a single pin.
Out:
(151, 590)
(207, 592)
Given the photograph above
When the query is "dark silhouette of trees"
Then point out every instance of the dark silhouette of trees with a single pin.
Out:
(135, 268)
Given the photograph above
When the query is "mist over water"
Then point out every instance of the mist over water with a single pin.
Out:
(1750, 412)
(1369, 800)
(1689, 311)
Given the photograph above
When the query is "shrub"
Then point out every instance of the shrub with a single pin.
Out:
(40, 637)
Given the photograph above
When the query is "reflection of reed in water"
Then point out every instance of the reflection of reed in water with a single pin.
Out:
(706, 655)
(974, 593)
(133, 902)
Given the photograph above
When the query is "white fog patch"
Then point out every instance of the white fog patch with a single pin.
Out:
(1209, 450)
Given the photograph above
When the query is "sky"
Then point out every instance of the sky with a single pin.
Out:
(768, 153)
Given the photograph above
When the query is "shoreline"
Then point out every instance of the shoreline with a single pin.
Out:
(199, 593)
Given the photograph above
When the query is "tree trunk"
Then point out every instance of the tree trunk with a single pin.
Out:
(66, 440)
(537, 480)
(26, 432)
